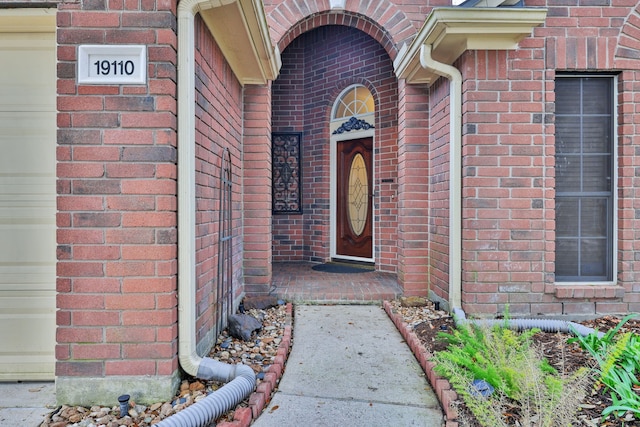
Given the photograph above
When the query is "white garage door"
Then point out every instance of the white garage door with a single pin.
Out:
(27, 194)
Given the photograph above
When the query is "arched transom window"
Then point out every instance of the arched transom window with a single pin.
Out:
(354, 101)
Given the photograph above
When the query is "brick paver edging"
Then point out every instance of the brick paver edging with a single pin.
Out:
(442, 387)
(261, 397)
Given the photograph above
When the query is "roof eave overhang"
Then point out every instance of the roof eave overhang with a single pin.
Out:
(452, 30)
(240, 30)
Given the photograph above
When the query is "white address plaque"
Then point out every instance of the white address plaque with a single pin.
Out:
(112, 64)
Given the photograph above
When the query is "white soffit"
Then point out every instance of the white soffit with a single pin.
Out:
(240, 29)
(452, 30)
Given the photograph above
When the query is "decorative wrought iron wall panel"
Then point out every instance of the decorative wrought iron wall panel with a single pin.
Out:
(286, 173)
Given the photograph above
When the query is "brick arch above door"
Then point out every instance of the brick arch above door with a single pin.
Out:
(627, 41)
(335, 57)
(382, 20)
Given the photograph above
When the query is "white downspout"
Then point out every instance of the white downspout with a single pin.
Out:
(455, 172)
(240, 379)
(189, 359)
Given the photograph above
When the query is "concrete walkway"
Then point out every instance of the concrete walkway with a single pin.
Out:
(26, 404)
(350, 366)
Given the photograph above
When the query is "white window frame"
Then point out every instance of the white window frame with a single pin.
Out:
(614, 184)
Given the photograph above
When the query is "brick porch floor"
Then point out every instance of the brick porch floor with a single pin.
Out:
(297, 282)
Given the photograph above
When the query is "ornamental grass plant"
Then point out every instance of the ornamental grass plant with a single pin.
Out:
(524, 389)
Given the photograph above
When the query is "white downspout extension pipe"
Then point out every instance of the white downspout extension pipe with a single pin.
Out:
(455, 212)
(240, 379)
(455, 172)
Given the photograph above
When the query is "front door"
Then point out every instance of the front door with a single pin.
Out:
(354, 198)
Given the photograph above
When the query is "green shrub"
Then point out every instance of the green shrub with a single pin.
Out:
(618, 361)
(520, 375)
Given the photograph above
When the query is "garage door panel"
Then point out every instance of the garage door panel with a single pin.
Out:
(28, 277)
(27, 198)
(26, 314)
(20, 199)
(26, 83)
(26, 245)
(26, 136)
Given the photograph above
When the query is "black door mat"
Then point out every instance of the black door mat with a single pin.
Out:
(339, 267)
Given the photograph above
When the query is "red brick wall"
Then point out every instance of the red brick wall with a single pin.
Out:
(218, 128)
(317, 66)
(508, 166)
(438, 176)
(628, 195)
(504, 180)
(288, 115)
(117, 305)
(413, 196)
(392, 23)
(256, 184)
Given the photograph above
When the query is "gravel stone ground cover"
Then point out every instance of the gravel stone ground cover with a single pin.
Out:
(259, 353)
(425, 321)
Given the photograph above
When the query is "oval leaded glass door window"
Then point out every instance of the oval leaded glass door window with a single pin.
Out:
(358, 195)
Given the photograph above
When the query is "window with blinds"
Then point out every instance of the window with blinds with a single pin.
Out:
(584, 178)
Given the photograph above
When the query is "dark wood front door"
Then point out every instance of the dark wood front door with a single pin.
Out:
(354, 198)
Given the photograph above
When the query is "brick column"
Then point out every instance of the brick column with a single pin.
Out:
(116, 220)
(413, 189)
(257, 188)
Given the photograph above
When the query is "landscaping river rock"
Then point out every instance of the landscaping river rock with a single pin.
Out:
(258, 352)
(422, 317)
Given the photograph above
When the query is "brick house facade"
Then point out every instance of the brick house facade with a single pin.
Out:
(475, 202)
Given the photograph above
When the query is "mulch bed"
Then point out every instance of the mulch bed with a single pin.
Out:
(565, 357)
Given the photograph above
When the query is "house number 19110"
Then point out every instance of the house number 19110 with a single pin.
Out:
(114, 68)
(112, 64)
